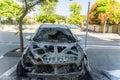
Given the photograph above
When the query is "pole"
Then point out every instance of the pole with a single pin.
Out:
(87, 24)
(105, 26)
(0, 20)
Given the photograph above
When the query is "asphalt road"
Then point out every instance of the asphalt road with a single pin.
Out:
(104, 58)
(102, 54)
(8, 42)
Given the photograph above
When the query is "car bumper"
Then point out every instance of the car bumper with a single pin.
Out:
(46, 75)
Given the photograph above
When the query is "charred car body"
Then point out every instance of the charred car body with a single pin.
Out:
(53, 52)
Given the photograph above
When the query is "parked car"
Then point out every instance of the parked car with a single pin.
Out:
(53, 52)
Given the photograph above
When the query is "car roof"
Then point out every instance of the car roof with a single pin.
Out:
(53, 26)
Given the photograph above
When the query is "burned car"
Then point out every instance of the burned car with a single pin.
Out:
(53, 52)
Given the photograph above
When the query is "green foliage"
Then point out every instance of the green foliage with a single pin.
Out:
(105, 10)
(27, 0)
(50, 18)
(83, 18)
(75, 8)
(9, 9)
(45, 18)
(48, 6)
(75, 19)
(26, 20)
(59, 18)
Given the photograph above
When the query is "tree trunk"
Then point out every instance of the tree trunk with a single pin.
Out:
(20, 27)
(21, 21)
(21, 36)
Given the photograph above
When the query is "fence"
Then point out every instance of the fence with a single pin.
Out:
(107, 29)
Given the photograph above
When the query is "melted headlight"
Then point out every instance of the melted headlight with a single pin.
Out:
(27, 62)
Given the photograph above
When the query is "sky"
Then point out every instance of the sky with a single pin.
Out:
(63, 6)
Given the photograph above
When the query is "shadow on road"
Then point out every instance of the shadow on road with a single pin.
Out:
(93, 75)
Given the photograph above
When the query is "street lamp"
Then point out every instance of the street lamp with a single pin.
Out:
(87, 22)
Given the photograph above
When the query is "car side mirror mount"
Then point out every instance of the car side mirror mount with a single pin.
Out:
(28, 38)
(78, 38)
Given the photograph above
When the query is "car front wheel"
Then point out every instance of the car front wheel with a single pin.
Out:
(87, 70)
(21, 72)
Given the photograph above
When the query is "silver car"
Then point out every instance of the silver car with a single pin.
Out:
(53, 53)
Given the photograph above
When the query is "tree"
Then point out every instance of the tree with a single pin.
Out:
(28, 4)
(75, 8)
(75, 17)
(48, 6)
(10, 9)
(105, 10)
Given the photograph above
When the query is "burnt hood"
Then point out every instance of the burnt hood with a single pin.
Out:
(53, 53)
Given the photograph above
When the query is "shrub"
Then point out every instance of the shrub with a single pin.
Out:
(27, 20)
(45, 18)
(50, 18)
(75, 19)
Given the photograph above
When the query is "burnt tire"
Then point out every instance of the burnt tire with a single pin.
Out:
(87, 70)
(20, 71)
(87, 76)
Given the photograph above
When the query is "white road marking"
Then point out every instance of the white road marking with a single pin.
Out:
(98, 41)
(9, 72)
(103, 43)
(101, 46)
(8, 43)
(115, 73)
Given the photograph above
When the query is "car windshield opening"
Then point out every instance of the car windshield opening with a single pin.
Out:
(54, 35)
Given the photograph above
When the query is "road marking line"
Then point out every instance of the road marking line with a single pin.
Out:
(103, 46)
(100, 46)
(10, 43)
(115, 73)
(9, 72)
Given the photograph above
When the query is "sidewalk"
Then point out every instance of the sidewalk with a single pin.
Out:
(75, 31)
(103, 36)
